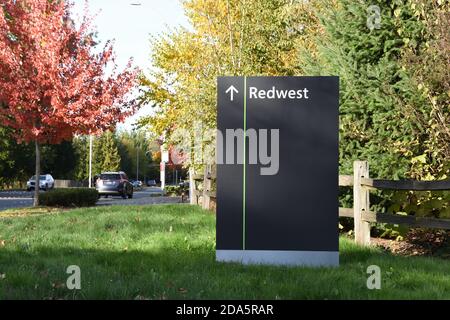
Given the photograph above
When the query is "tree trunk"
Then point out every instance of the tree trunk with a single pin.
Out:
(37, 174)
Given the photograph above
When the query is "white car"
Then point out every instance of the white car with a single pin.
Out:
(46, 182)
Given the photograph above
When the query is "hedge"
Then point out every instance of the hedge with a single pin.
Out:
(69, 197)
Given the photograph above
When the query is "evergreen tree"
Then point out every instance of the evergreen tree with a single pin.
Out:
(105, 154)
(60, 160)
(81, 145)
(376, 91)
(16, 160)
(111, 160)
(133, 144)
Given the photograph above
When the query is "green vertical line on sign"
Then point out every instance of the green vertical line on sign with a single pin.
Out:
(244, 182)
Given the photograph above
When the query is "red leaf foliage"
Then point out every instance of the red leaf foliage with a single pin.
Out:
(52, 83)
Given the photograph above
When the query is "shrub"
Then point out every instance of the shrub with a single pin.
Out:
(70, 197)
(173, 191)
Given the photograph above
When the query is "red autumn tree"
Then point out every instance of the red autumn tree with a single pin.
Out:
(52, 84)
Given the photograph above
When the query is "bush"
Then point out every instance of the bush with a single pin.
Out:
(173, 191)
(70, 197)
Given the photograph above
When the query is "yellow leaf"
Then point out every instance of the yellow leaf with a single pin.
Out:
(422, 159)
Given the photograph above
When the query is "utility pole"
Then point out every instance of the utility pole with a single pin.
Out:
(90, 161)
(137, 163)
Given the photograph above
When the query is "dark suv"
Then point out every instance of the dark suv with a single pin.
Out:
(114, 183)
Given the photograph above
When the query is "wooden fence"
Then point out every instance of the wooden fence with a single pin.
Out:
(207, 195)
(361, 213)
(362, 184)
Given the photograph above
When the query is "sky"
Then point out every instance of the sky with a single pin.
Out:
(131, 28)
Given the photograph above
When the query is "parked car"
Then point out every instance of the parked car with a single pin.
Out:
(151, 183)
(114, 183)
(184, 184)
(46, 182)
(137, 184)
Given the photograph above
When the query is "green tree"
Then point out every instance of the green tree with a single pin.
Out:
(16, 160)
(394, 79)
(377, 95)
(60, 160)
(428, 64)
(125, 148)
(105, 153)
(81, 146)
(394, 92)
(232, 37)
(136, 148)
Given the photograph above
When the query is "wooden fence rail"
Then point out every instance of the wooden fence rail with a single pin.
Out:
(361, 213)
(362, 184)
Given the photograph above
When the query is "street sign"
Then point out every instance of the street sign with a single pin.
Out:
(277, 170)
(165, 156)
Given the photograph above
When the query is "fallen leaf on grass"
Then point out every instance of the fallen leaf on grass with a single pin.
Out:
(2, 243)
(58, 285)
(182, 290)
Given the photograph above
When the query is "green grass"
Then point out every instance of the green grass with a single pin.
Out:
(167, 252)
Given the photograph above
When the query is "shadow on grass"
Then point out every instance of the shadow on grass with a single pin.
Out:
(36, 272)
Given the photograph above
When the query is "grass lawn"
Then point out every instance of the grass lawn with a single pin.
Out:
(167, 252)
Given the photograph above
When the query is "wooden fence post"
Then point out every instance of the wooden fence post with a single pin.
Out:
(192, 187)
(207, 184)
(361, 202)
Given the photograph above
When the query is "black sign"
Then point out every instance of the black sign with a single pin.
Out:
(277, 176)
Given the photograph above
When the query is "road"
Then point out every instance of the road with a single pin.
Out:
(15, 199)
(152, 195)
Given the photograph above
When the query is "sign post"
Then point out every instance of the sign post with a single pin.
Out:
(277, 170)
(164, 160)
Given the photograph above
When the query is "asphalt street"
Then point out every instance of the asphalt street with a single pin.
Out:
(152, 195)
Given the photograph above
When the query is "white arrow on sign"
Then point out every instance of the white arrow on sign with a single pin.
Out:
(232, 90)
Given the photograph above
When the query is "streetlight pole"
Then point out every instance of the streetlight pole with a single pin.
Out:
(164, 159)
(137, 163)
(90, 161)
